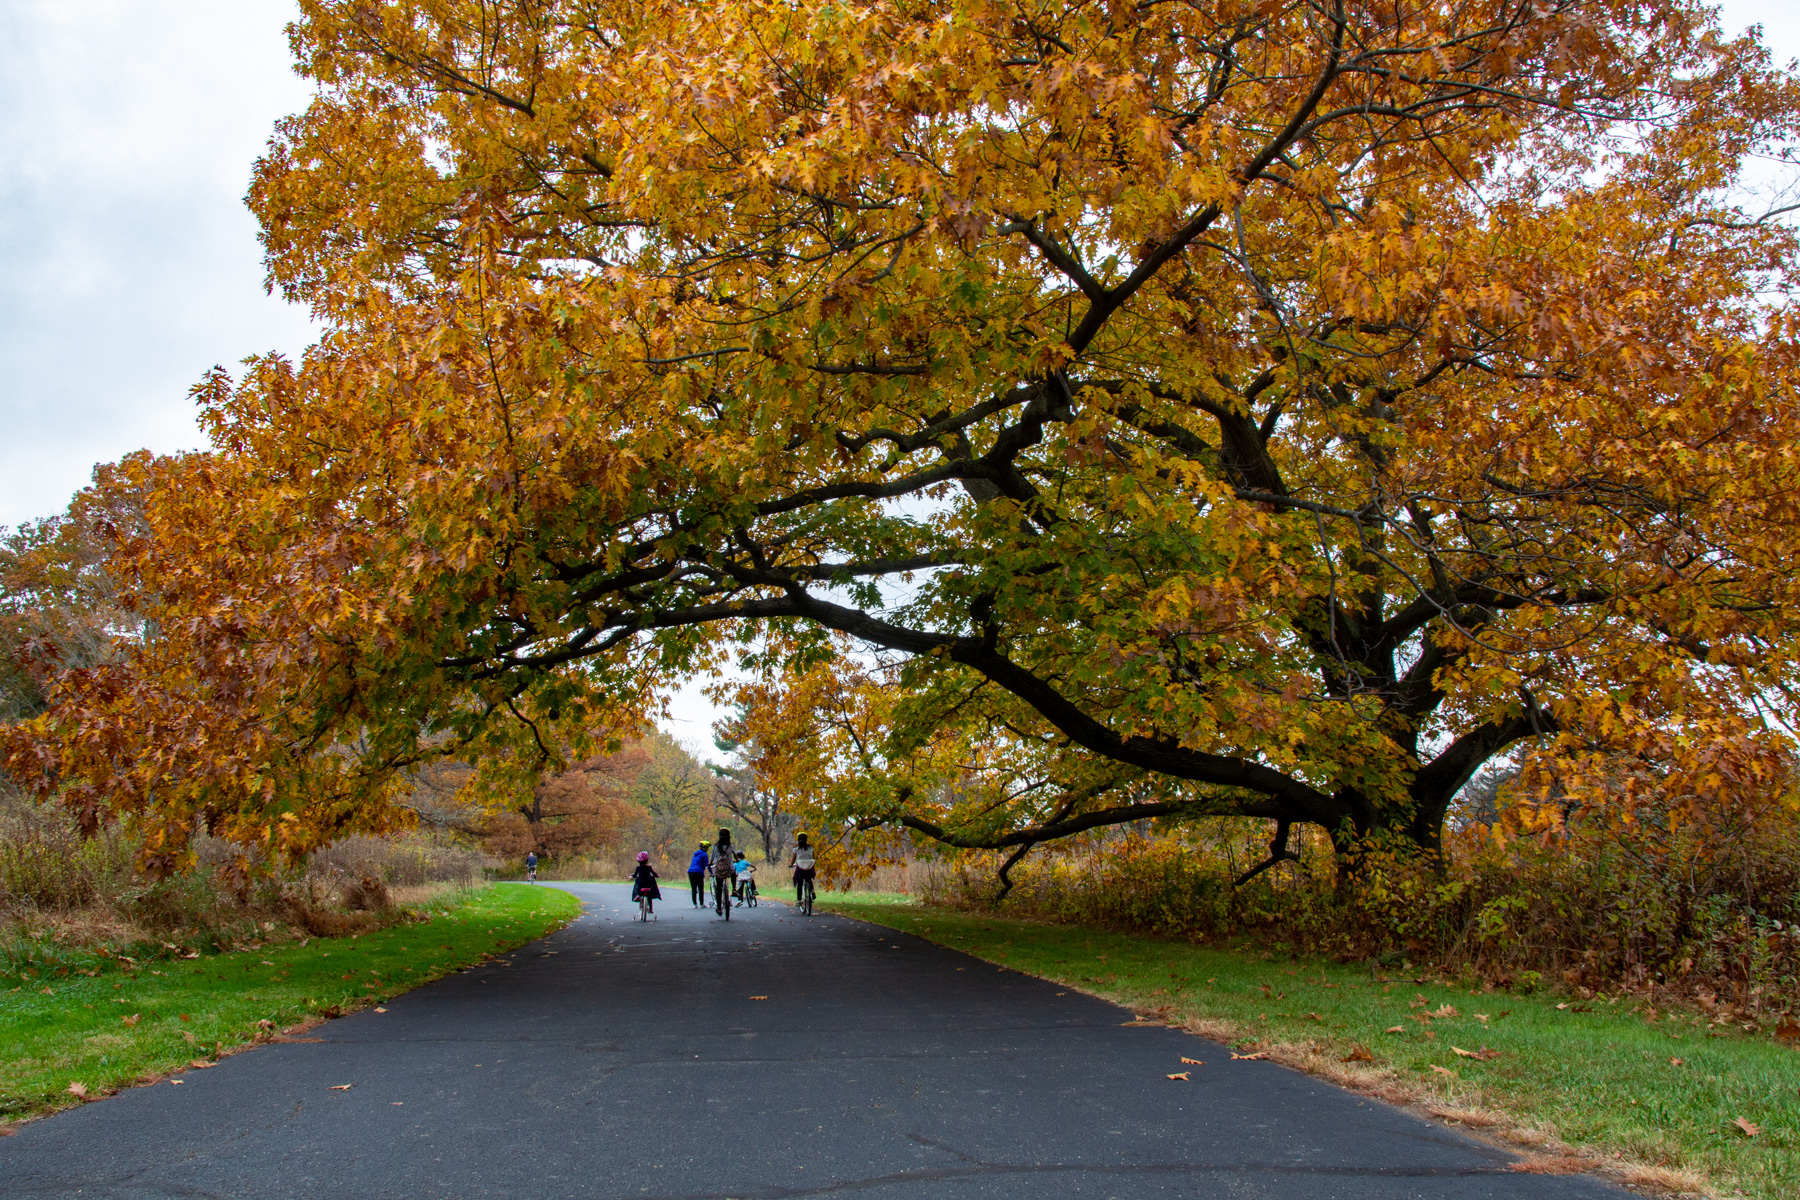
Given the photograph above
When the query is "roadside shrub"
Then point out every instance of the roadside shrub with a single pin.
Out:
(69, 903)
(407, 860)
(1709, 913)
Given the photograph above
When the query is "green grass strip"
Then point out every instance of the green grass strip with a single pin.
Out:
(110, 1030)
(1663, 1089)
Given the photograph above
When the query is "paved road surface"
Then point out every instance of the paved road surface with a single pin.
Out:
(628, 1062)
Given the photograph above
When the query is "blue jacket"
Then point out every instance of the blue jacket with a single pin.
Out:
(697, 864)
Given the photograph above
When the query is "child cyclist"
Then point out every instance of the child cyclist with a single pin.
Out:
(746, 871)
(643, 880)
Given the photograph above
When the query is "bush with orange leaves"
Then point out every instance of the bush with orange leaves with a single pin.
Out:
(1673, 900)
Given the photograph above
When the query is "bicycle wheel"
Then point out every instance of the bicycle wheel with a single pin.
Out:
(750, 894)
(643, 907)
(806, 896)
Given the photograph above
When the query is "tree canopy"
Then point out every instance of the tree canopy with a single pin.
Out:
(1107, 408)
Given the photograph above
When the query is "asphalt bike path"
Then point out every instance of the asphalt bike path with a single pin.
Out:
(772, 1055)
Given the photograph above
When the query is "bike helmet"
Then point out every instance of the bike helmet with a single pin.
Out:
(704, 845)
(643, 856)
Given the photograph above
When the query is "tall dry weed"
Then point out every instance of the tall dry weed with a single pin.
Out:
(1710, 914)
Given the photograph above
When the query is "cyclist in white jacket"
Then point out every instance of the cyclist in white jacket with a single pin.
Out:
(801, 859)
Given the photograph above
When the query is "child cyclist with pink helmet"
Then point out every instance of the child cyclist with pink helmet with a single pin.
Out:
(643, 880)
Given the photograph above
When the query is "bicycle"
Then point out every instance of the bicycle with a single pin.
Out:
(750, 893)
(645, 912)
(806, 897)
(722, 897)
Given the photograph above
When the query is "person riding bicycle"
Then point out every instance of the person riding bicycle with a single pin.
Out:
(643, 880)
(697, 875)
(741, 872)
(801, 859)
(531, 867)
(720, 865)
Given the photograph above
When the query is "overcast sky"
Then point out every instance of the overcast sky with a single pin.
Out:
(128, 263)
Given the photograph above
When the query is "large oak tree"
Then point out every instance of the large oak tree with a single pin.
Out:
(1257, 407)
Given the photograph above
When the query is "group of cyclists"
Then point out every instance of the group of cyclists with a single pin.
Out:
(733, 876)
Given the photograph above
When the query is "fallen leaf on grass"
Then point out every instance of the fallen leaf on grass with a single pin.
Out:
(1395, 1029)
(1483, 1054)
(1444, 1011)
(1192, 1062)
(1315, 1017)
(1482, 1017)
(342, 1087)
(1676, 1062)
(78, 1090)
(1444, 1071)
(133, 1019)
(184, 1016)
(1181, 1076)
(1359, 1054)
(1750, 1128)
(1787, 1031)
(1236, 1057)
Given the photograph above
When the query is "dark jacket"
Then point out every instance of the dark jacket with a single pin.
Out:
(644, 880)
(697, 864)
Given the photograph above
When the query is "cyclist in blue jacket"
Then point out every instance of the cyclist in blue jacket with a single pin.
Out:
(697, 874)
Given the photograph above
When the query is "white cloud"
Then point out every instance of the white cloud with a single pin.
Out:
(128, 263)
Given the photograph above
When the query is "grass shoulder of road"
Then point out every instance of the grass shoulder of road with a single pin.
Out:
(1663, 1099)
(87, 1035)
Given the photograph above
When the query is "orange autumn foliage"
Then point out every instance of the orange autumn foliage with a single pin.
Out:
(1260, 409)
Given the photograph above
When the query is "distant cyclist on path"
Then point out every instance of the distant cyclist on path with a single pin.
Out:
(801, 859)
(697, 874)
(721, 865)
(643, 880)
(531, 867)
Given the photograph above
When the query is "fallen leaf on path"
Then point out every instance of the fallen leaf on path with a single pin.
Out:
(1359, 1054)
(1750, 1128)
(133, 1019)
(199, 1064)
(78, 1090)
(1444, 1071)
(342, 1087)
(380, 1009)
(1484, 1053)
(1236, 1057)
(1139, 1022)
(759, 997)
(1192, 1062)
(1181, 1076)
(174, 1082)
